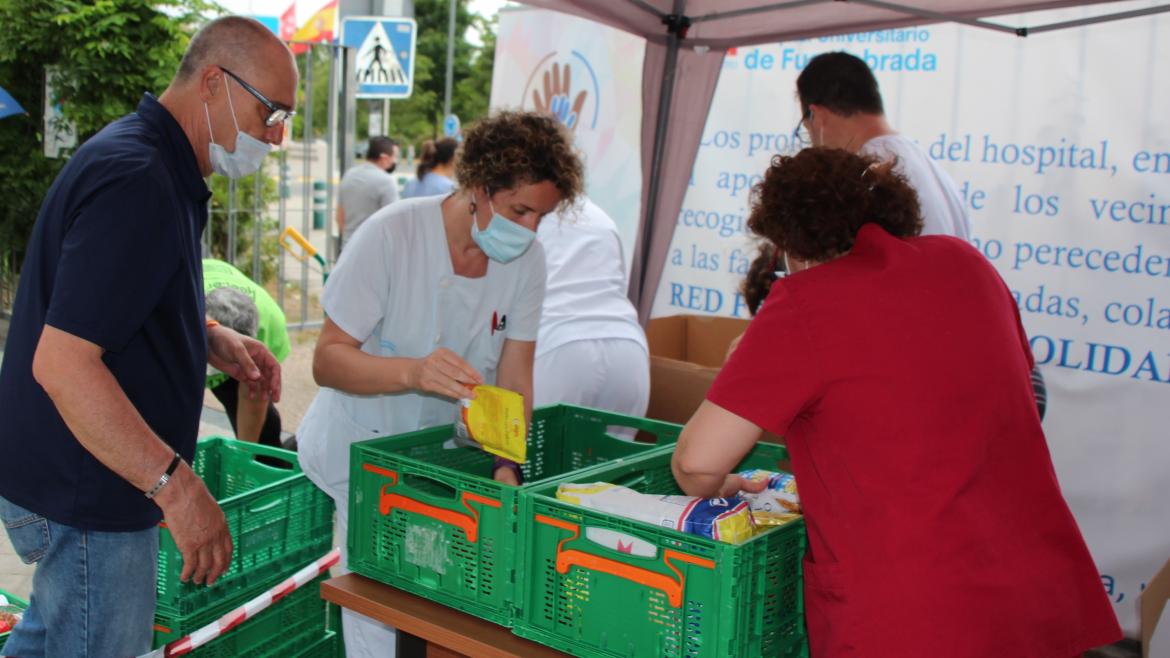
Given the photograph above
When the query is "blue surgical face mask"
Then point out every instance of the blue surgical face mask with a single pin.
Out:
(503, 240)
(248, 156)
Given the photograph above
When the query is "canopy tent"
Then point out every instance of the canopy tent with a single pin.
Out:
(685, 44)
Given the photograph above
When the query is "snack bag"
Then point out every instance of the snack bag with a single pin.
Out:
(495, 420)
(776, 505)
(723, 519)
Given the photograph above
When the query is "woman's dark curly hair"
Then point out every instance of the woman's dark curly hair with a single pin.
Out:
(509, 149)
(811, 205)
(757, 283)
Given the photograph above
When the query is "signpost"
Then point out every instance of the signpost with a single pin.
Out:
(385, 55)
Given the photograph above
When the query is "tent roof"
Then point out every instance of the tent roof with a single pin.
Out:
(728, 23)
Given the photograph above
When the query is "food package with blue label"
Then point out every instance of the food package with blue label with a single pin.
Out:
(723, 519)
(776, 505)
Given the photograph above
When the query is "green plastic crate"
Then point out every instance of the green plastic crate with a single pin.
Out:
(19, 603)
(288, 625)
(430, 519)
(696, 598)
(278, 519)
(329, 646)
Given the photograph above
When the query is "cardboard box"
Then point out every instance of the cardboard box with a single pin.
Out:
(1154, 599)
(686, 352)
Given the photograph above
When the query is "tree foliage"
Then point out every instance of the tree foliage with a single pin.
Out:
(108, 53)
(420, 117)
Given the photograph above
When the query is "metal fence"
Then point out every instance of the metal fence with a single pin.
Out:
(303, 199)
(304, 170)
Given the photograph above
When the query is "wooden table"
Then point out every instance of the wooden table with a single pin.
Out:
(446, 632)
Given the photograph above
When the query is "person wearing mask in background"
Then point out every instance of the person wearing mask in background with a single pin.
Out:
(103, 373)
(591, 351)
(436, 295)
(436, 169)
(940, 488)
(237, 302)
(841, 107)
(367, 187)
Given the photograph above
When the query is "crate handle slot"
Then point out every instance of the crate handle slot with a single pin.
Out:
(415, 480)
(568, 558)
(282, 463)
(469, 524)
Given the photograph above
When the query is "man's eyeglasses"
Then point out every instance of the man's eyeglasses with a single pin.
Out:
(800, 135)
(277, 114)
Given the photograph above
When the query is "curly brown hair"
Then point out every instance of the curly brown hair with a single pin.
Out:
(757, 283)
(509, 149)
(811, 205)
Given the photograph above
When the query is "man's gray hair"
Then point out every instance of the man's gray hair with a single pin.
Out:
(233, 309)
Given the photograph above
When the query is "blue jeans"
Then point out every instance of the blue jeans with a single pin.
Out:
(93, 592)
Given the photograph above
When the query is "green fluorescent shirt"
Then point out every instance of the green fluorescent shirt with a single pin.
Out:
(270, 330)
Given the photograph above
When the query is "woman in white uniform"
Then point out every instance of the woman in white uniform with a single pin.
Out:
(591, 350)
(431, 297)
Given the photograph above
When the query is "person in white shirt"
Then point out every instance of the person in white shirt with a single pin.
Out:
(841, 107)
(591, 350)
(432, 297)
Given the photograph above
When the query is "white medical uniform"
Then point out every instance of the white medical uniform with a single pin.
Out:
(942, 207)
(591, 350)
(395, 290)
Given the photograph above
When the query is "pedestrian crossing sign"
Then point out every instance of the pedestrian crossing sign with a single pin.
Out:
(385, 54)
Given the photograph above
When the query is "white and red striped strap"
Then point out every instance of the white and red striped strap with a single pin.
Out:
(215, 629)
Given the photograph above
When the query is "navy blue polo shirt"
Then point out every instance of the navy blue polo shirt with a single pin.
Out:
(114, 259)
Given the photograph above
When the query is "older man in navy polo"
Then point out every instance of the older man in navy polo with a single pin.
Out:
(102, 380)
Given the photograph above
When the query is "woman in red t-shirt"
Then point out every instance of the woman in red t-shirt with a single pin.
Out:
(898, 371)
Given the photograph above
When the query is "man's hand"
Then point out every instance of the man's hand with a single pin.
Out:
(244, 359)
(445, 373)
(197, 525)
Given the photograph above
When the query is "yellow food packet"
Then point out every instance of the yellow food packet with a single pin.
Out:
(495, 420)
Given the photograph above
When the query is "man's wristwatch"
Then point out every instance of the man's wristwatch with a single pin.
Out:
(166, 477)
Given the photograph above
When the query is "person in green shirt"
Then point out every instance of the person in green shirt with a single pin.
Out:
(239, 303)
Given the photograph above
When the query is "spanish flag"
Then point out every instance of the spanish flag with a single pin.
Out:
(319, 28)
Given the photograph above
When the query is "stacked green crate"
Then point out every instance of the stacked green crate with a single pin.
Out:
(15, 602)
(279, 521)
(427, 517)
(296, 625)
(601, 586)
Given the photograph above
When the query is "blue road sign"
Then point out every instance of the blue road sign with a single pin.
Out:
(451, 125)
(385, 54)
(8, 105)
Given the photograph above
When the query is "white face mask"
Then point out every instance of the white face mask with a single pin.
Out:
(249, 154)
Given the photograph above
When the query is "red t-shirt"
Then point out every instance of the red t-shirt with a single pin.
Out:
(899, 375)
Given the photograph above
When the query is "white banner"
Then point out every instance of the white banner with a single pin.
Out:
(594, 80)
(1060, 148)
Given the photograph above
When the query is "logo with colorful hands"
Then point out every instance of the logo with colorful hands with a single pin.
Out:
(565, 86)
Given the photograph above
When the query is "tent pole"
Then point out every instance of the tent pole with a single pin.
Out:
(1093, 20)
(676, 25)
(934, 15)
(1018, 31)
(779, 6)
(644, 6)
